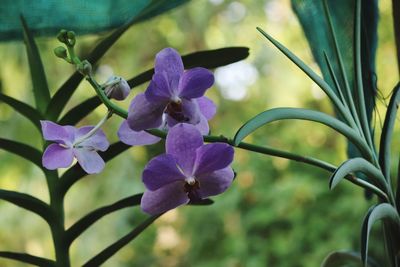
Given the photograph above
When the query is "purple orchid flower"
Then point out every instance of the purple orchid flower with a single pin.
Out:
(189, 171)
(173, 96)
(70, 142)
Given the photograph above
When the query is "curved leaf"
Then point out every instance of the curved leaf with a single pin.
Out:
(84, 223)
(40, 88)
(344, 258)
(24, 109)
(65, 92)
(387, 132)
(27, 202)
(22, 150)
(27, 258)
(300, 114)
(382, 211)
(206, 59)
(310, 73)
(109, 251)
(358, 165)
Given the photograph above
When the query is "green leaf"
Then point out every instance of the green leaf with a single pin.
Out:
(319, 35)
(83, 224)
(300, 114)
(109, 251)
(27, 202)
(310, 73)
(27, 258)
(358, 165)
(206, 59)
(65, 92)
(382, 211)
(40, 88)
(24, 109)
(22, 150)
(387, 132)
(345, 258)
(76, 172)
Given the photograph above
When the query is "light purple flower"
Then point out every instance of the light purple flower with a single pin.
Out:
(190, 170)
(173, 96)
(70, 143)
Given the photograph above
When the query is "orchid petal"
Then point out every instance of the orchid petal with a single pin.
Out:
(168, 60)
(207, 107)
(182, 142)
(159, 89)
(90, 161)
(60, 134)
(215, 183)
(143, 114)
(98, 141)
(166, 198)
(133, 138)
(56, 156)
(161, 171)
(195, 82)
(212, 157)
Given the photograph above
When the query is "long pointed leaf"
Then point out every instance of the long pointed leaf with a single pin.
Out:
(358, 165)
(108, 252)
(84, 223)
(65, 92)
(27, 202)
(40, 88)
(22, 150)
(382, 211)
(206, 59)
(24, 109)
(310, 73)
(27, 258)
(300, 114)
(387, 132)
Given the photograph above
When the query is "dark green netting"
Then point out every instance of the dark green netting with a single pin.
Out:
(47, 17)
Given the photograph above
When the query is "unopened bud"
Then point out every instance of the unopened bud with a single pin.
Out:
(71, 38)
(61, 52)
(116, 88)
(84, 67)
(62, 36)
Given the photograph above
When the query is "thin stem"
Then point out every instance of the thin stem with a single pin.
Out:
(250, 147)
(94, 130)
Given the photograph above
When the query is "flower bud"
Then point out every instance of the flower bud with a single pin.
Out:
(61, 52)
(62, 36)
(117, 88)
(71, 38)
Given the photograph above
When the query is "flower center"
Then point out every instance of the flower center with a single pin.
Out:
(191, 186)
(174, 109)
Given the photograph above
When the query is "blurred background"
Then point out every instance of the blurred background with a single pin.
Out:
(277, 212)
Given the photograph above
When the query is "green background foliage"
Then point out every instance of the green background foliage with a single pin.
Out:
(277, 212)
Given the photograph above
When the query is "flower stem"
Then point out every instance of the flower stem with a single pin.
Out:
(94, 130)
(246, 146)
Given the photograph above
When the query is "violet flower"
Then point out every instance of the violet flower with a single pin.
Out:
(190, 170)
(70, 142)
(173, 96)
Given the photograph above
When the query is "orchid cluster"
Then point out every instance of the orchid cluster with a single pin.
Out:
(174, 101)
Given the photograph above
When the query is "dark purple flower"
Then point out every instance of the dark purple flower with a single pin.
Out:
(173, 96)
(190, 170)
(70, 143)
